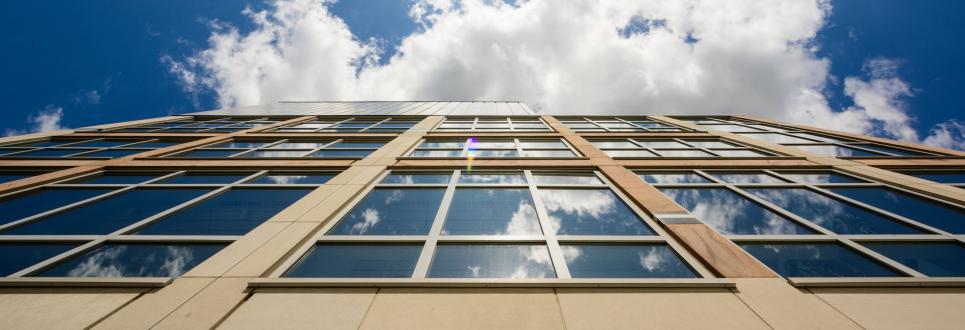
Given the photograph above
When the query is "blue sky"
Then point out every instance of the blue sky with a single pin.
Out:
(100, 61)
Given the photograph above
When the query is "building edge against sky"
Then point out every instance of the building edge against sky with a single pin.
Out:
(476, 215)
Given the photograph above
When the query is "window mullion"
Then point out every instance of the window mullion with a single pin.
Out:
(428, 250)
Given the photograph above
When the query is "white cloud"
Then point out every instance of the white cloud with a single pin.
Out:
(752, 57)
(949, 134)
(47, 119)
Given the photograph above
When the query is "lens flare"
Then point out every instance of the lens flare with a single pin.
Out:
(471, 153)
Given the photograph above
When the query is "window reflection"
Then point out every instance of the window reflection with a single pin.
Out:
(392, 212)
(135, 260)
(623, 261)
(816, 260)
(729, 213)
(948, 218)
(491, 261)
(672, 178)
(590, 212)
(830, 213)
(357, 260)
(477, 211)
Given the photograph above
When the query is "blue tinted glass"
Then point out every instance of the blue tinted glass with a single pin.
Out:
(664, 177)
(491, 261)
(816, 260)
(43, 143)
(730, 213)
(293, 178)
(392, 212)
(566, 178)
(109, 214)
(274, 154)
(835, 215)
(113, 153)
(492, 177)
(891, 150)
(234, 212)
(477, 211)
(417, 177)
(135, 260)
(629, 153)
(838, 151)
(746, 177)
(51, 152)
(116, 178)
(941, 177)
(17, 256)
(776, 138)
(41, 200)
(819, 177)
(7, 177)
(341, 153)
(240, 145)
(102, 143)
(590, 212)
(155, 144)
(358, 260)
(948, 218)
(623, 261)
(436, 153)
(739, 153)
(930, 258)
(205, 178)
(548, 153)
(493, 153)
(299, 145)
(684, 153)
(359, 145)
(9, 151)
(207, 153)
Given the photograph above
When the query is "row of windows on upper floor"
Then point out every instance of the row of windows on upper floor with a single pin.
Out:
(524, 207)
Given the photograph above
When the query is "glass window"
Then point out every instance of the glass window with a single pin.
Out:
(820, 177)
(614, 144)
(746, 177)
(549, 153)
(417, 178)
(542, 144)
(684, 153)
(730, 213)
(624, 261)
(205, 178)
(816, 260)
(491, 261)
(492, 177)
(590, 212)
(566, 178)
(629, 153)
(941, 259)
(357, 260)
(42, 200)
(739, 153)
(292, 178)
(109, 214)
(135, 260)
(234, 212)
(672, 177)
(115, 178)
(661, 144)
(948, 218)
(51, 152)
(835, 215)
(710, 144)
(480, 211)
(341, 153)
(17, 256)
(113, 153)
(938, 176)
(7, 177)
(201, 153)
(392, 212)
(274, 154)
(436, 153)
(776, 138)
(891, 150)
(837, 151)
(494, 153)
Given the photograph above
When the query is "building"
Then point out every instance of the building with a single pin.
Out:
(451, 215)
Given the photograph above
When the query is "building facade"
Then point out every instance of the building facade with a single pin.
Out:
(446, 215)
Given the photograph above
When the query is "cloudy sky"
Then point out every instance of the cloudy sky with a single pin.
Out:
(888, 68)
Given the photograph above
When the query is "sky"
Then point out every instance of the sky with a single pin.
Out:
(886, 68)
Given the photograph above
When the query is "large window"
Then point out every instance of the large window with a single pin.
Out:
(822, 144)
(618, 124)
(144, 224)
(819, 223)
(7, 175)
(352, 125)
(284, 148)
(493, 148)
(493, 124)
(954, 178)
(492, 225)
(202, 125)
(670, 147)
(84, 148)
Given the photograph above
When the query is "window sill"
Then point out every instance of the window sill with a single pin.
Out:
(856, 282)
(86, 282)
(491, 283)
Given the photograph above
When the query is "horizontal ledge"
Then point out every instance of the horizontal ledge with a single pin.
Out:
(854, 282)
(491, 283)
(86, 282)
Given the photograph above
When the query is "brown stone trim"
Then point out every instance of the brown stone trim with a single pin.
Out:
(900, 162)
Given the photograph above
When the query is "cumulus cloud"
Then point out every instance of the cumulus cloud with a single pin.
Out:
(577, 56)
(47, 119)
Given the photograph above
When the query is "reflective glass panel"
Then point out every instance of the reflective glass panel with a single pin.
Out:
(492, 177)
(948, 218)
(492, 145)
(358, 145)
(661, 144)
(668, 177)
(819, 177)
(112, 153)
(816, 260)
(7, 177)
(357, 260)
(205, 178)
(240, 145)
(135, 260)
(491, 261)
(548, 153)
(891, 150)
(234, 212)
(542, 144)
(942, 177)
(207, 153)
(17, 256)
(154, 145)
(565, 178)
(443, 144)
(392, 212)
(624, 261)
(730, 213)
(51, 152)
(292, 178)
(629, 153)
(739, 153)
(835, 215)
(274, 154)
(109, 214)
(614, 144)
(41, 200)
(298, 145)
(102, 143)
(436, 153)
(746, 177)
(590, 212)
(709, 144)
(837, 151)
(115, 178)
(417, 177)
(494, 153)
(684, 153)
(341, 153)
(940, 259)
(480, 211)
(777, 138)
